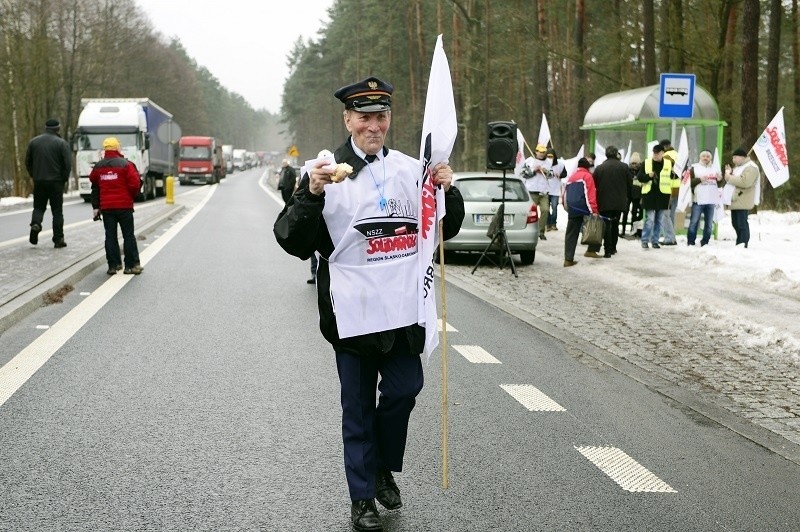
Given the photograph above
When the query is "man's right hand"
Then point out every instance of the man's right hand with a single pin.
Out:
(318, 178)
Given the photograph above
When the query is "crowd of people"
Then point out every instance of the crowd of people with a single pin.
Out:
(640, 199)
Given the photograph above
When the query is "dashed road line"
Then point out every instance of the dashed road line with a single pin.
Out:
(532, 398)
(476, 354)
(629, 474)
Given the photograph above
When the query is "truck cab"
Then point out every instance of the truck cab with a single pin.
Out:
(146, 133)
(199, 161)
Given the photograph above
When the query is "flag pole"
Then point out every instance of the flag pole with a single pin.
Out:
(444, 358)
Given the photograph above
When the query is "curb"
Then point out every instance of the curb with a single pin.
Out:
(26, 300)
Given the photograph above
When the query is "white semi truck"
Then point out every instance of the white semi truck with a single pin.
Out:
(147, 135)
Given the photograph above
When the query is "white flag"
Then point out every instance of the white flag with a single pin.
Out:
(683, 154)
(544, 132)
(771, 151)
(520, 154)
(571, 165)
(685, 192)
(627, 159)
(439, 130)
(599, 154)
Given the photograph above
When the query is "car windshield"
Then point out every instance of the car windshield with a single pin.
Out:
(198, 153)
(491, 189)
(94, 141)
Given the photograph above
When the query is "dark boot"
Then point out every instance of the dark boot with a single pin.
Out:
(34, 236)
(365, 516)
(388, 494)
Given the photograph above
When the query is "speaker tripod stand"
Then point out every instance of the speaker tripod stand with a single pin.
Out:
(497, 230)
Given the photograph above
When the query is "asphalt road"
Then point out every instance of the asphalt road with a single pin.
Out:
(201, 396)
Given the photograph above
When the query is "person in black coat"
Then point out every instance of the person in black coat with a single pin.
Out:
(48, 161)
(287, 181)
(613, 186)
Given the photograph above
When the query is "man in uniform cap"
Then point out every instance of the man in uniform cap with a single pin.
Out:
(365, 228)
(48, 161)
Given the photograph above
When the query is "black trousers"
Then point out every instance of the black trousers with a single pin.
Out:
(574, 224)
(286, 193)
(375, 437)
(53, 192)
(123, 218)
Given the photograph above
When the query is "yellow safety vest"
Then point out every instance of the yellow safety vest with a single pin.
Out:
(675, 179)
(664, 184)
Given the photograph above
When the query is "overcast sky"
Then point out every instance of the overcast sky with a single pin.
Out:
(243, 43)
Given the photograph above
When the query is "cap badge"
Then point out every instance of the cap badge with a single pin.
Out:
(373, 85)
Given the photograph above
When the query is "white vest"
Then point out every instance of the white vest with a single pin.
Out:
(538, 183)
(374, 265)
(706, 193)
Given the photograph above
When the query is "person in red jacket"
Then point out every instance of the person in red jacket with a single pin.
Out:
(115, 184)
(580, 199)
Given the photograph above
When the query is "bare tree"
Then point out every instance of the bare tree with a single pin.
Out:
(649, 42)
(750, 26)
(773, 56)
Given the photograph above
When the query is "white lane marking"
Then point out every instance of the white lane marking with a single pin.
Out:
(476, 354)
(450, 328)
(43, 327)
(262, 183)
(624, 470)
(28, 361)
(84, 294)
(532, 398)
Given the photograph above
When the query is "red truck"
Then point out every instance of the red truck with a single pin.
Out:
(200, 161)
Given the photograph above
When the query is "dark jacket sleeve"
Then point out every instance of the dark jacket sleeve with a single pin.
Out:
(66, 161)
(299, 225)
(454, 217)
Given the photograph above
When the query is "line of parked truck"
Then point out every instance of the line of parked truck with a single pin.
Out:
(151, 139)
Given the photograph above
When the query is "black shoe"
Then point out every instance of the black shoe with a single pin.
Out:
(388, 493)
(607, 256)
(656, 246)
(133, 270)
(313, 280)
(112, 270)
(34, 238)
(60, 244)
(365, 515)
(542, 237)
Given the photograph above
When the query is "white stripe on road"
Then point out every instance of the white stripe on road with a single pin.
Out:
(476, 354)
(450, 328)
(532, 398)
(19, 369)
(624, 470)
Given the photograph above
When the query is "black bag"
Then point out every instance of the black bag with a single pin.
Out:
(593, 227)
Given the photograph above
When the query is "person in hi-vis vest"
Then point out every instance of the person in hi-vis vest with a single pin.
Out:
(655, 177)
(364, 227)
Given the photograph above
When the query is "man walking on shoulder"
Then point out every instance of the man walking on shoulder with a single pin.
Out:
(48, 161)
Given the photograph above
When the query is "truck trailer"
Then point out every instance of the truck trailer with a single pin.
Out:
(200, 160)
(146, 133)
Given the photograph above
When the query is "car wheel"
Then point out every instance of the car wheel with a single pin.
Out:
(527, 257)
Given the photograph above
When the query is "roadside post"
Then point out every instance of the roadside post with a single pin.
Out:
(170, 192)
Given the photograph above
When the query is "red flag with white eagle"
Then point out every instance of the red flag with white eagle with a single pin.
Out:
(439, 130)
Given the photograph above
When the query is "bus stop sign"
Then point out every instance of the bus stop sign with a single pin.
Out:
(676, 96)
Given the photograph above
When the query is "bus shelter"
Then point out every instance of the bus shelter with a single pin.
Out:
(631, 116)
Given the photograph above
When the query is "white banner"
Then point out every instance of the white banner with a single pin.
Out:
(770, 148)
(544, 132)
(439, 130)
(520, 162)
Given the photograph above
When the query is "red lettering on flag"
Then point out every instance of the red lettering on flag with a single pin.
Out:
(777, 145)
(428, 215)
